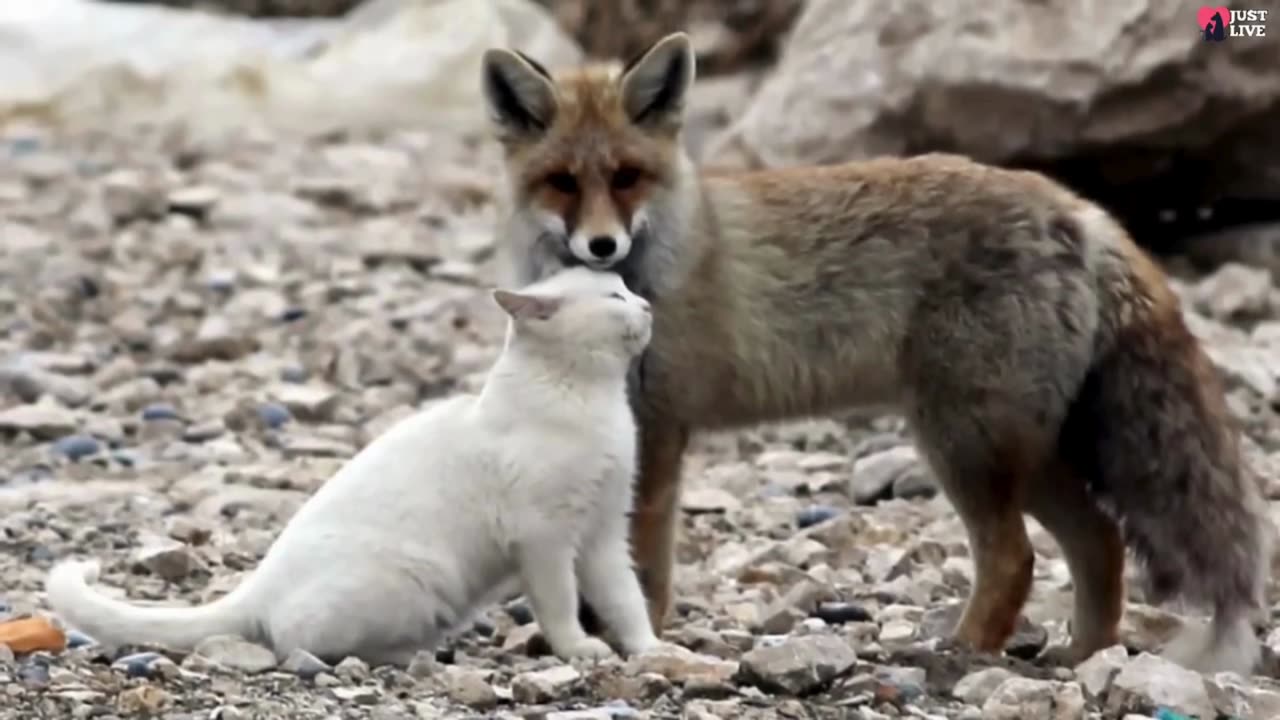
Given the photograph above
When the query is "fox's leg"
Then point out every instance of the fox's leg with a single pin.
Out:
(1094, 551)
(654, 520)
(985, 486)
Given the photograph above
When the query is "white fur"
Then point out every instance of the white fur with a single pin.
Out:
(526, 485)
(549, 222)
(1227, 644)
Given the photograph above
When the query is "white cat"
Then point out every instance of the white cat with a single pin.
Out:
(525, 486)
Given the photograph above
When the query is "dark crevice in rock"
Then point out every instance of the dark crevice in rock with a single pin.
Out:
(1166, 199)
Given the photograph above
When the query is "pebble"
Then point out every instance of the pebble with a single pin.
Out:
(1018, 698)
(976, 687)
(543, 686)
(143, 700)
(141, 665)
(77, 447)
(236, 653)
(44, 422)
(274, 415)
(352, 669)
(169, 561)
(34, 675)
(363, 695)
(304, 665)
(797, 666)
(1149, 681)
(306, 402)
(1097, 671)
(160, 411)
(468, 687)
(874, 475)
(519, 612)
(76, 639)
(811, 516)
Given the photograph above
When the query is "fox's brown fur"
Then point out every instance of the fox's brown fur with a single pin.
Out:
(1039, 356)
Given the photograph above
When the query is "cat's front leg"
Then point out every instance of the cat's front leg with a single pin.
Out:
(547, 572)
(610, 585)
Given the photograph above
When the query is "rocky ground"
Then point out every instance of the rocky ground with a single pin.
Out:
(194, 336)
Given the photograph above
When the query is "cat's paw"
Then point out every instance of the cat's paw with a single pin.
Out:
(642, 644)
(588, 648)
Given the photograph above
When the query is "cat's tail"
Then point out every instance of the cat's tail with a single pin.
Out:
(114, 622)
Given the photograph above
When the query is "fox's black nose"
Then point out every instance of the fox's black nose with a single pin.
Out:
(602, 246)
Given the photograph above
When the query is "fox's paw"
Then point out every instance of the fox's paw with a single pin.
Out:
(1067, 656)
(588, 648)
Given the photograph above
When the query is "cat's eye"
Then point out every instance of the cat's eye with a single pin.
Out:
(625, 178)
(563, 182)
(616, 296)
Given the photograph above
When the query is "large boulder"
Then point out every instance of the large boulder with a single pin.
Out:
(728, 35)
(1022, 82)
(262, 8)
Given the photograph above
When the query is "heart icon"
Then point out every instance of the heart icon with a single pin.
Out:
(1206, 14)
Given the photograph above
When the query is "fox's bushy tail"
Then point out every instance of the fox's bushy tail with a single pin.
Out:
(1161, 450)
(114, 622)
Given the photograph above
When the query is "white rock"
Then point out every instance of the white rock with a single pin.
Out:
(1019, 698)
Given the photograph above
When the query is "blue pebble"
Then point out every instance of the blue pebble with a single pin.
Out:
(40, 554)
(5, 610)
(293, 314)
(294, 374)
(1167, 714)
(138, 665)
(34, 674)
(77, 639)
(126, 457)
(274, 415)
(519, 612)
(159, 411)
(76, 447)
(815, 514)
(23, 146)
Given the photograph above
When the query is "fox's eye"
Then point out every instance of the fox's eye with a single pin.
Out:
(563, 182)
(624, 178)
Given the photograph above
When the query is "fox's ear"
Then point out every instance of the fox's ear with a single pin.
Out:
(518, 91)
(521, 306)
(654, 84)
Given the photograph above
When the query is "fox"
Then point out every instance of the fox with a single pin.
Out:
(1037, 353)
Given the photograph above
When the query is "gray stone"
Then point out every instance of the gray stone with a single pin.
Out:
(236, 653)
(542, 686)
(1096, 672)
(1149, 681)
(1018, 698)
(976, 687)
(797, 666)
(42, 421)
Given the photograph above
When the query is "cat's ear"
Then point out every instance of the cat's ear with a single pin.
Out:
(526, 307)
(655, 83)
(518, 92)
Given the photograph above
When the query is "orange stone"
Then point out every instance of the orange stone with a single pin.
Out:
(32, 634)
